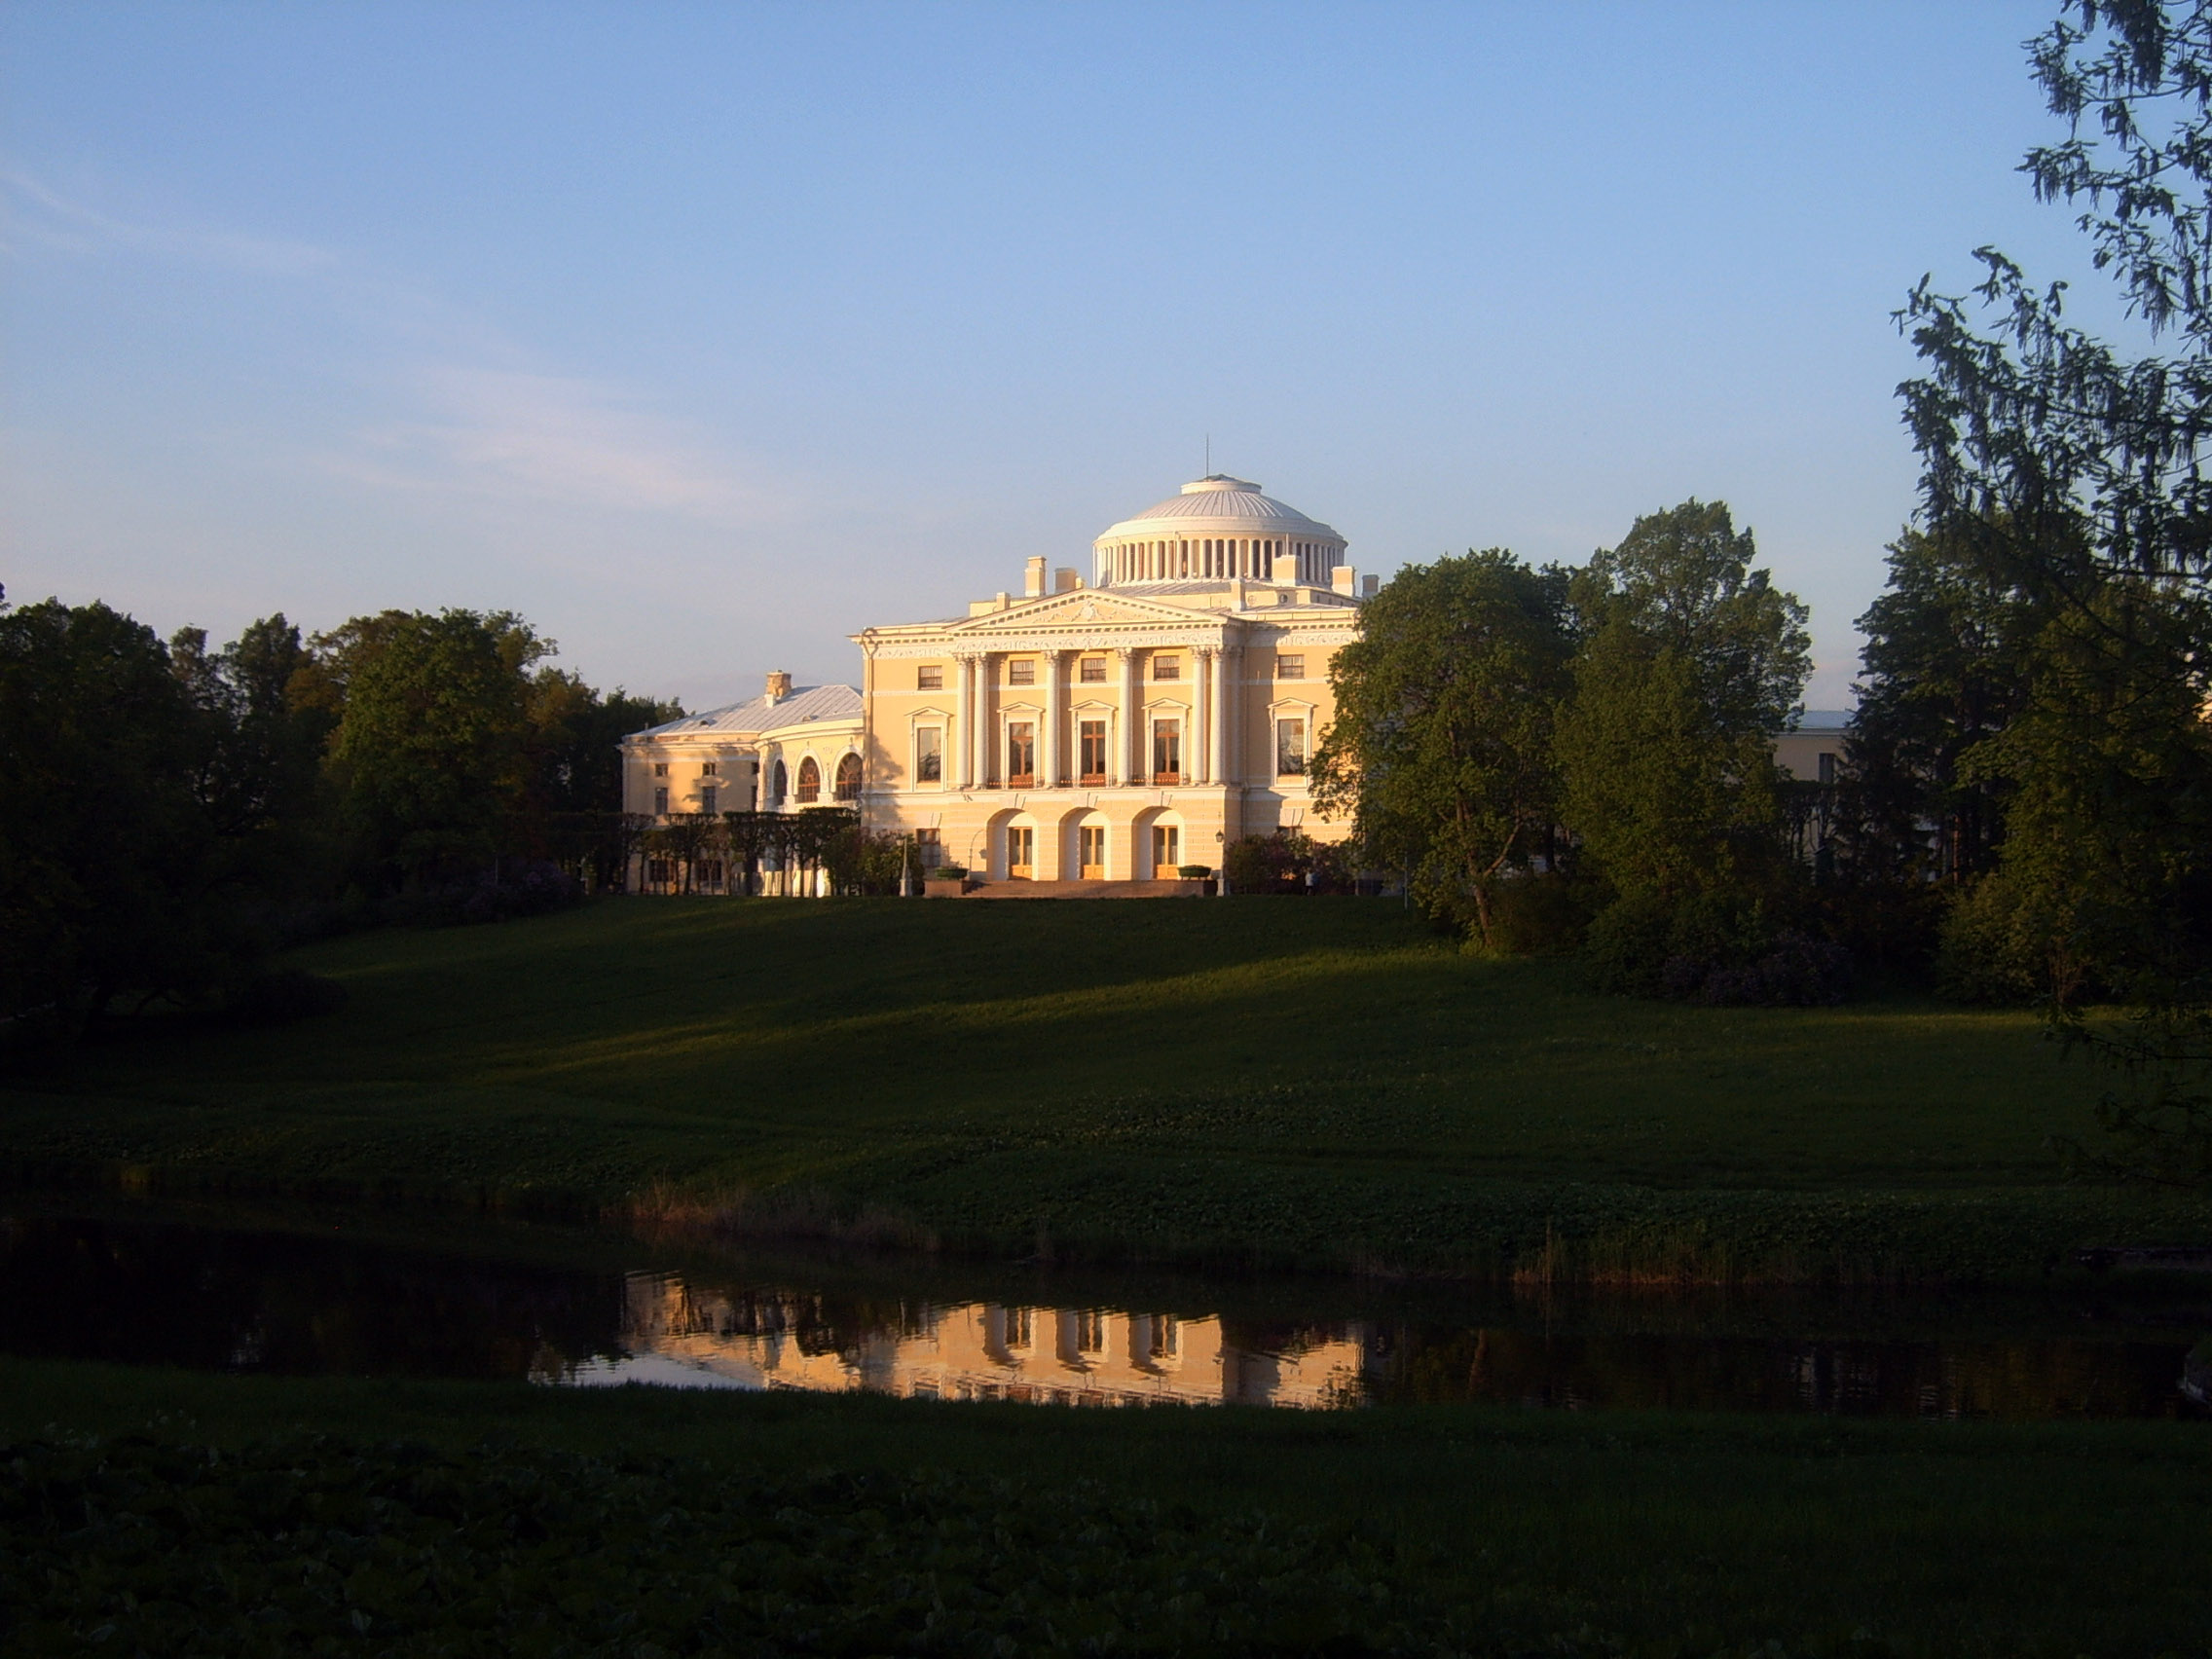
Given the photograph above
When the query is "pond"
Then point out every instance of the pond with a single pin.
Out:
(577, 1308)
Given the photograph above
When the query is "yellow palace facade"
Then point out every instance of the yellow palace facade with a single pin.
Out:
(1102, 728)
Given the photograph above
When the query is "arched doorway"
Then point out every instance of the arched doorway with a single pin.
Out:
(1086, 845)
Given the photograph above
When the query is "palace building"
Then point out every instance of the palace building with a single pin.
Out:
(1105, 728)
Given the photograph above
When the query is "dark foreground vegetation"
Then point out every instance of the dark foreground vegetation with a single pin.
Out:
(1263, 1081)
(191, 1514)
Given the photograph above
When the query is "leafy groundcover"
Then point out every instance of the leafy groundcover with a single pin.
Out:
(314, 1546)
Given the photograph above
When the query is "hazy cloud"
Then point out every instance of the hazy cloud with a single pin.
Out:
(547, 437)
(36, 216)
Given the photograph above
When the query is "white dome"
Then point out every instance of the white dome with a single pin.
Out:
(1217, 527)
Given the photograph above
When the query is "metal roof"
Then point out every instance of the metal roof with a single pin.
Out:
(1233, 505)
(751, 718)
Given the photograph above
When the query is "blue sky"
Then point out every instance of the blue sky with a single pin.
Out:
(706, 334)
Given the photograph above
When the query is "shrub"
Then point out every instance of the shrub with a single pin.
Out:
(1533, 914)
(1281, 862)
(1801, 970)
(282, 997)
(1713, 948)
(2007, 941)
(1193, 872)
(949, 872)
(514, 889)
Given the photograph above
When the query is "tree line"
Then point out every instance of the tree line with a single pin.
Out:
(2025, 809)
(172, 813)
(1580, 757)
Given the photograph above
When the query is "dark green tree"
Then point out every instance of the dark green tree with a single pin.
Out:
(105, 847)
(2075, 470)
(1946, 667)
(432, 751)
(1689, 659)
(1683, 580)
(1441, 752)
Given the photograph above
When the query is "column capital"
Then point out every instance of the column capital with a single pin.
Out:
(1126, 652)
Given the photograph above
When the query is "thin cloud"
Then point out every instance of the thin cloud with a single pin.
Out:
(483, 423)
(40, 217)
(553, 439)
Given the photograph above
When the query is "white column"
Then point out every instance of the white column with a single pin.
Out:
(964, 722)
(988, 755)
(1055, 717)
(1125, 750)
(1202, 716)
(1222, 758)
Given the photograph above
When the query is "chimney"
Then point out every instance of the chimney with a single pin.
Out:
(1286, 568)
(1342, 579)
(1033, 578)
(1368, 585)
(779, 685)
(1066, 579)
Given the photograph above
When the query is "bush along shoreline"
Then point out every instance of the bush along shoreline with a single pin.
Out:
(1579, 1234)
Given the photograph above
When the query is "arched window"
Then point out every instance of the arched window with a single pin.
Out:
(779, 785)
(849, 778)
(809, 781)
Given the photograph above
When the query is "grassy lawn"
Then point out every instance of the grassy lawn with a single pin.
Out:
(1491, 1529)
(1273, 1079)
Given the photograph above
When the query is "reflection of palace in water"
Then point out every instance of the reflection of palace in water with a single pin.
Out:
(979, 1351)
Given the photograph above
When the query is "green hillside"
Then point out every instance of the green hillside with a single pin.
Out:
(1269, 1079)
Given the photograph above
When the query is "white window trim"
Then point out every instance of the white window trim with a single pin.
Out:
(1293, 708)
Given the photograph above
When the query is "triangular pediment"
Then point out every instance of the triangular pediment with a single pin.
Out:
(1086, 607)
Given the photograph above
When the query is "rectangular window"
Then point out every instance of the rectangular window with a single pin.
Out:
(929, 754)
(709, 768)
(1290, 668)
(1827, 769)
(660, 768)
(1020, 1330)
(660, 802)
(1021, 670)
(1090, 1332)
(929, 677)
(1166, 1336)
(1091, 671)
(1166, 668)
(1166, 752)
(1290, 749)
(929, 850)
(1090, 739)
(1020, 754)
(710, 798)
(1167, 850)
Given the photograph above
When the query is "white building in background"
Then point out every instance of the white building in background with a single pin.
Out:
(1099, 728)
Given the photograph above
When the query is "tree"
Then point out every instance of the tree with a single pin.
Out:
(432, 749)
(1441, 749)
(1946, 667)
(257, 758)
(2075, 469)
(575, 734)
(104, 847)
(1683, 580)
(1689, 658)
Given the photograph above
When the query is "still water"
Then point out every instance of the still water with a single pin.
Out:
(231, 1296)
